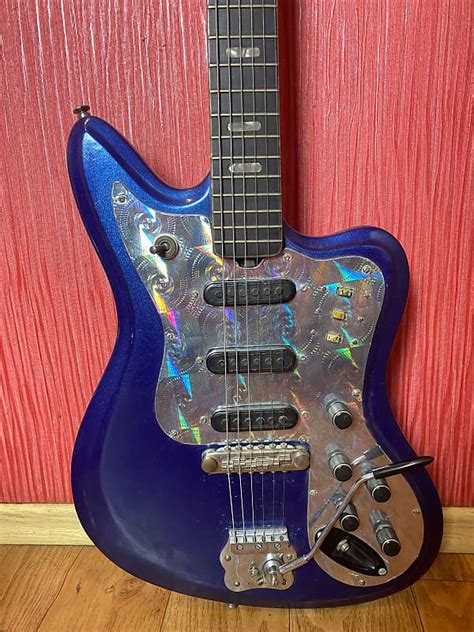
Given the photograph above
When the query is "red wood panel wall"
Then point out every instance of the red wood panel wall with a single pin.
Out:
(376, 130)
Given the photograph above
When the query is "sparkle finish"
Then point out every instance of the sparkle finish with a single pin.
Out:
(141, 494)
(187, 393)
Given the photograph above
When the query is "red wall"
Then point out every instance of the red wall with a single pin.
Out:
(375, 130)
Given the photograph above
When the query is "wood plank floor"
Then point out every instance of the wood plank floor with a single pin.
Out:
(76, 589)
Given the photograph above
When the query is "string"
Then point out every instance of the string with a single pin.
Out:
(221, 201)
(234, 258)
(244, 205)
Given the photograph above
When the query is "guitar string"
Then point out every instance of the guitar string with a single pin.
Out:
(247, 412)
(259, 345)
(234, 258)
(278, 152)
(273, 377)
(221, 201)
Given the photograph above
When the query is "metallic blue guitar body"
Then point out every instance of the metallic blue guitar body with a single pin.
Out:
(139, 486)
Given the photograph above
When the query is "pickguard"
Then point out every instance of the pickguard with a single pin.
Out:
(330, 333)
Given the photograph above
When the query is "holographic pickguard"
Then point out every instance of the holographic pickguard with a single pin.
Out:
(187, 393)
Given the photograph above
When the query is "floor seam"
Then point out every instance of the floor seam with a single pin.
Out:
(59, 590)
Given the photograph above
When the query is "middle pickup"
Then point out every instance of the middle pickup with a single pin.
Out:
(275, 359)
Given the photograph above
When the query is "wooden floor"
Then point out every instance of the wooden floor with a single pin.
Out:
(76, 589)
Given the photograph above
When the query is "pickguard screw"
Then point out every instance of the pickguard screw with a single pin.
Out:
(240, 547)
(360, 319)
(227, 558)
(303, 439)
(258, 546)
(367, 295)
(174, 433)
(236, 584)
(366, 269)
(382, 571)
(305, 414)
(287, 257)
(356, 393)
(283, 582)
(305, 288)
(169, 335)
(362, 582)
(324, 289)
(303, 358)
(121, 199)
(313, 332)
(204, 420)
(199, 360)
(415, 511)
(312, 492)
(355, 342)
(289, 556)
(277, 545)
(195, 294)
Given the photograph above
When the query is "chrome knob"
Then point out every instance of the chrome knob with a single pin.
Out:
(385, 533)
(379, 490)
(338, 462)
(340, 415)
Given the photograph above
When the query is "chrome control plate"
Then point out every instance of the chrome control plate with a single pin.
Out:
(329, 324)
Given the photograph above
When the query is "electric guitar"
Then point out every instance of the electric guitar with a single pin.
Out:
(240, 445)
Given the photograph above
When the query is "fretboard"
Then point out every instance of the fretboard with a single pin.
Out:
(245, 128)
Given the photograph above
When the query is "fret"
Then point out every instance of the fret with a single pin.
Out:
(265, 203)
(245, 22)
(247, 185)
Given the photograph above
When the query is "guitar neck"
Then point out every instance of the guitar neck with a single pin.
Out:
(245, 128)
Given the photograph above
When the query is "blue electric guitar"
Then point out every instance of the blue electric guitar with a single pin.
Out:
(240, 445)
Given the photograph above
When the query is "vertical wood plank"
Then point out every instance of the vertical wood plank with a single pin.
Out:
(376, 130)
(30, 580)
(97, 595)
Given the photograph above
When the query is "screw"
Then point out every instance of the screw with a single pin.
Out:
(289, 556)
(287, 257)
(382, 571)
(415, 511)
(362, 582)
(366, 269)
(121, 199)
(303, 358)
(199, 360)
(355, 341)
(174, 433)
(304, 288)
(356, 393)
(169, 335)
(258, 546)
(360, 319)
(204, 420)
(313, 332)
(195, 294)
(305, 414)
(303, 439)
(277, 545)
(283, 582)
(236, 584)
(240, 547)
(312, 492)
(367, 295)
(228, 558)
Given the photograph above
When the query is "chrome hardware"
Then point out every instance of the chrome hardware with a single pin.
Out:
(338, 462)
(379, 490)
(252, 559)
(340, 415)
(82, 111)
(387, 470)
(165, 246)
(349, 520)
(385, 533)
(251, 457)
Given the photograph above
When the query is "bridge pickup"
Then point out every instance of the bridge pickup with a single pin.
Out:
(278, 359)
(262, 418)
(250, 292)
(255, 457)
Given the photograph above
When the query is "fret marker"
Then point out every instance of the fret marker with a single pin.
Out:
(242, 53)
(245, 126)
(245, 167)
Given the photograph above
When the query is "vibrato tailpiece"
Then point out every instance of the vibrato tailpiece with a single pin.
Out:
(252, 559)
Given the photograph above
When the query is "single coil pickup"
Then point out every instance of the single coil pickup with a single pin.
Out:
(277, 359)
(250, 292)
(265, 417)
